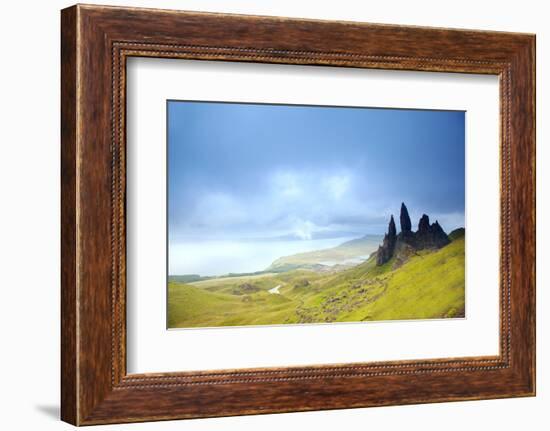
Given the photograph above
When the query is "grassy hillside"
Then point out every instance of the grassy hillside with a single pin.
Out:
(430, 284)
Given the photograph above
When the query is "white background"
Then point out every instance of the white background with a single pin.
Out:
(29, 217)
(151, 348)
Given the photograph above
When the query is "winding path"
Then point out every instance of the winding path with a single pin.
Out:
(275, 290)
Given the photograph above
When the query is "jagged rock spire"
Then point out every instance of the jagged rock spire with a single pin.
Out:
(385, 251)
(424, 223)
(392, 231)
(429, 236)
(405, 219)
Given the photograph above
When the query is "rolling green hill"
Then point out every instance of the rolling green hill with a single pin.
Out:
(350, 252)
(428, 284)
(333, 259)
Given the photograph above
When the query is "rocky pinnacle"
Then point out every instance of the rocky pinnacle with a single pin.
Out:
(385, 251)
(405, 219)
(428, 236)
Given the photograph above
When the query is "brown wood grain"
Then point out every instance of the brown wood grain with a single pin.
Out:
(69, 368)
(96, 41)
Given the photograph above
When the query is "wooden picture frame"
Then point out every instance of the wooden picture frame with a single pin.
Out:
(95, 43)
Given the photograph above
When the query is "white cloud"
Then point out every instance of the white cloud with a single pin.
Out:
(287, 184)
(292, 202)
(337, 185)
(304, 229)
(218, 209)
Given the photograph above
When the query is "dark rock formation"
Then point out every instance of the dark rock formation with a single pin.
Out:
(423, 224)
(405, 219)
(402, 254)
(244, 289)
(428, 236)
(302, 283)
(406, 235)
(385, 251)
(392, 231)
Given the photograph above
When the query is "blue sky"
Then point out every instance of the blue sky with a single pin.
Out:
(262, 172)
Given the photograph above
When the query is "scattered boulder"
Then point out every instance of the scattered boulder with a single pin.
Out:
(245, 288)
(248, 287)
(304, 282)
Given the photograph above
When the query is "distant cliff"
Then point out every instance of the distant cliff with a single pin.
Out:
(428, 236)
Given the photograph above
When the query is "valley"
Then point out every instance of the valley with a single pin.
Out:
(411, 284)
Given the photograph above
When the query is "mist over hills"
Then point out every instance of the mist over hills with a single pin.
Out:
(348, 253)
(428, 284)
(407, 275)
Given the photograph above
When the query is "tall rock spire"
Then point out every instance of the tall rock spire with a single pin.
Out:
(385, 251)
(423, 224)
(392, 231)
(429, 236)
(405, 219)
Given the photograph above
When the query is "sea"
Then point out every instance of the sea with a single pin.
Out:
(215, 258)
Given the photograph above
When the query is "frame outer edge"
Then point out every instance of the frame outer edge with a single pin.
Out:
(530, 62)
(87, 397)
(533, 54)
(69, 201)
(523, 273)
(532, 101)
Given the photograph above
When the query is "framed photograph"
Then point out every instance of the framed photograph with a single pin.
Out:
(265, 215)
(277, 214)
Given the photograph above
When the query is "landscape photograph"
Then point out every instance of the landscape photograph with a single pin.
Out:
(297, 214)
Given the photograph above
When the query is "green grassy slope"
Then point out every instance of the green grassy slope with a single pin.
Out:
(428, 285)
